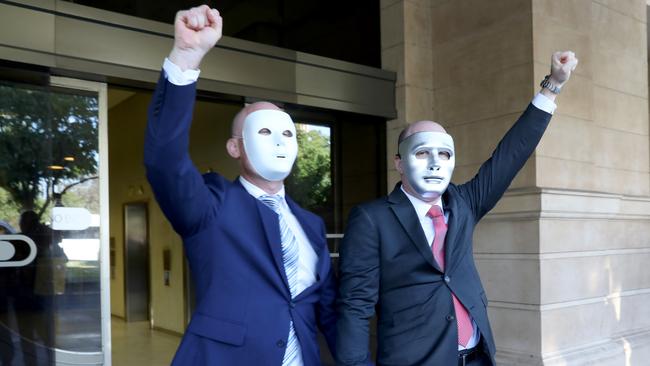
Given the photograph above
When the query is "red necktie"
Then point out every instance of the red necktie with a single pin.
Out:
(463, 321)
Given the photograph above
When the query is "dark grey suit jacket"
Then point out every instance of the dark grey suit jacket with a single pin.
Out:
(386, 265)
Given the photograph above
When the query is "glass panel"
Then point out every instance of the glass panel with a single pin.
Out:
(310, 182)
(49, 218)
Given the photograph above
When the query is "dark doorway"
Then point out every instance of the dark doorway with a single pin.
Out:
(136, 259)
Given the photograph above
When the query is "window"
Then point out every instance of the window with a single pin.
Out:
(50, 282)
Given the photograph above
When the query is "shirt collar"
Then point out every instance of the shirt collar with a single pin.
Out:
(256, 191)
(421, 207)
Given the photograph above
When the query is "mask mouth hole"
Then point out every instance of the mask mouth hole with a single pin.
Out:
(433, 179)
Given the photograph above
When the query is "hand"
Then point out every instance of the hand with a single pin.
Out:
(196, 31)
(562, 64)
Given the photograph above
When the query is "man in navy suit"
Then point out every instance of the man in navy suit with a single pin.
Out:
(260, 262)
(409, 255)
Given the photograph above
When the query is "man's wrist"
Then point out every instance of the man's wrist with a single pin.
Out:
(551, 85)
(186, 59)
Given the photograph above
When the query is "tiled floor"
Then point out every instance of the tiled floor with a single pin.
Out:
(134, 344)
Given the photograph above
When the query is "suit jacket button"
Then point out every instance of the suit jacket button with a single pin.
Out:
(450, 317)
(280, 343)
(447, 279)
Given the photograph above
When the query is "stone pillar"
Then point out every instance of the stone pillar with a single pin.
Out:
(406, 48)
(593, 179)
(563, 256)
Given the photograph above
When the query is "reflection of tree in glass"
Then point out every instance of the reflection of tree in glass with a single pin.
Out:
(310, 182)
(38, 130)
(9, 210)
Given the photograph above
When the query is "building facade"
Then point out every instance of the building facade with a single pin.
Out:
(562, 256)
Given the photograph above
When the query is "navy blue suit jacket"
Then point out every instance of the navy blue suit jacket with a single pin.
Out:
(232, 242)
(387, 262)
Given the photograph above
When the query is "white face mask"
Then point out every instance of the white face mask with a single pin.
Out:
(270, 143)
(428, 162)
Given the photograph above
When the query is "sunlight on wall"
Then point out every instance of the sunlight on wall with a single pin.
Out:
(627, 348)
(614, 296)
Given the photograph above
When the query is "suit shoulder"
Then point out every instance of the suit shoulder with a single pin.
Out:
(376, 205)
(452, 189)
(216, 183)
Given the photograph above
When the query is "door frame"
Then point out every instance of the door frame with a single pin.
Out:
(104, 240)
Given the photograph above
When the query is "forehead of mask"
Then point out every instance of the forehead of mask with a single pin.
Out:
(427, 139)
(275, 121)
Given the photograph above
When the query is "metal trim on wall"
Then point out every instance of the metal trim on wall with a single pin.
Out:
(84, 42)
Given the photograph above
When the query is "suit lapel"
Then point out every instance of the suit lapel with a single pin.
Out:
(304, 222)
(405, 213)
(271, 227)
(455, 225)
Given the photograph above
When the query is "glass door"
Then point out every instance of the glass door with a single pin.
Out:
(53, 224)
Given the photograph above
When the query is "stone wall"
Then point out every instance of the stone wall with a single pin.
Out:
(563, 254)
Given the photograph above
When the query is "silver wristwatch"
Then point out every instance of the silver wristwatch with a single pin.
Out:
(549, 85)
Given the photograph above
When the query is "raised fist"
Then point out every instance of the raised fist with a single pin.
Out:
(562, 64)
(196, 31)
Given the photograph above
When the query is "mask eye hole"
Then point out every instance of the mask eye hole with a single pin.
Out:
(287, 133)
(422, 154)
(264, 132)
(444, 155)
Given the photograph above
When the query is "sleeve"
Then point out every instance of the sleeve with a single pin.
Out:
(326, 306)
(358, 290)
(176, 76)
(495, 175)
(178, 186)
(544, 103)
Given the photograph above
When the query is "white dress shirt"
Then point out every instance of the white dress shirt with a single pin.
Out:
(177, 76)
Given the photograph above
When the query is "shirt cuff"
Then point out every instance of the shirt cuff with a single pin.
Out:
(176, 76)
(542, 102)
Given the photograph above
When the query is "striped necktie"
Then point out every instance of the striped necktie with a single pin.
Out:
(290, 259)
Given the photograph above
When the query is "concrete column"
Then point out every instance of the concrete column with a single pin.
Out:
(406, 48)
(563, 254)
(594, 185)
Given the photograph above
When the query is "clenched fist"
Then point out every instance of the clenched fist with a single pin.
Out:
(562, 64)
(196, 31)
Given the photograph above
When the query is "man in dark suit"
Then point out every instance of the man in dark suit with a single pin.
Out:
(260, 262)
(409, 255)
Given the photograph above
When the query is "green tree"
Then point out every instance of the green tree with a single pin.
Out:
(9, 211)
(38, 129)
(310, 182)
